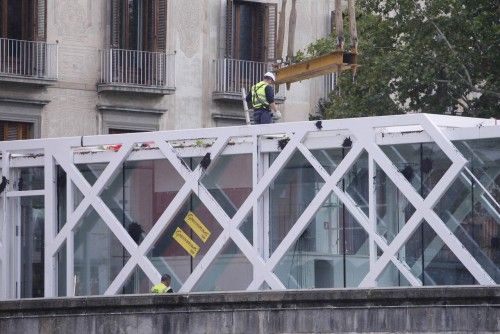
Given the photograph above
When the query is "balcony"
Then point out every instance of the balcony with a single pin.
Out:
(136, 71)
(231, 75)
(28, 62)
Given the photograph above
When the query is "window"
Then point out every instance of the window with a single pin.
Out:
(23, 19)
(113, 131)
(139, 25)
(15, 130)
(251, 30)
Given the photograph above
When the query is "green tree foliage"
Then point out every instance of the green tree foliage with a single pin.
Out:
(424, 56)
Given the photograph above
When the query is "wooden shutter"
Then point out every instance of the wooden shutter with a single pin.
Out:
(332, 22)
(115, 24)
(271, 25)
(3, 18)
(40, 20)
(15, 131)
(229, 29)
(161, 43)
(149, 26)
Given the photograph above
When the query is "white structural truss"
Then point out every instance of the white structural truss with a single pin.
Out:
(271, 147)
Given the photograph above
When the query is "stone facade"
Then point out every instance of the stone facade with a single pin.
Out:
(195, 32)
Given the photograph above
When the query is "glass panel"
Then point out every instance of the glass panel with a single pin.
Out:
(140, 193)
(355, 182)
(138, 282)
(230, 271)
(264, 287)
(91, 172)
(391, 276)
(61, 198)
(393, 209)
(230, 181)
(169, 256)
(290, 193)
(77, 196)
(31, 178)
(99, 256)
(331, 252)
(246, 227)
(423, 164)
(330, 158)
(61, 270)
(32, 247)
(472, 217)
(484, 162)
(356, 250)
(426, 253)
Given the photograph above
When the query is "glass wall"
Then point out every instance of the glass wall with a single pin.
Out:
(137, 196)
(333, 249)
(465, 209)
(32, 247)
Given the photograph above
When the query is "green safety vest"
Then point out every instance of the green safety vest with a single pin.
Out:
(160, 288)
(259, 100)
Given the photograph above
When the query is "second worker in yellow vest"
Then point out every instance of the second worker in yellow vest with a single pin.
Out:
(163, 286)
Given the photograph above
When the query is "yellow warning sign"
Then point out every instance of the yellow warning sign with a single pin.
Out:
(195, 223)
(186, 242)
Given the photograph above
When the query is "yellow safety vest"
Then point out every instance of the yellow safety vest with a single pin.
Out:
(259, 100)
(160, 288)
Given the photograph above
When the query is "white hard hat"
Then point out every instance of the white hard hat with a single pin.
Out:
(270, 75)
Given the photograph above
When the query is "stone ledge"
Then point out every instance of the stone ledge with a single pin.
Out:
(153, 90)
(27, 80)
(290, 299)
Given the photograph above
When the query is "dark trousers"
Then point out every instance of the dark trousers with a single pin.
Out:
(262, 116)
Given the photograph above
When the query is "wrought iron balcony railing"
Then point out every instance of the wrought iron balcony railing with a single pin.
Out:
(28, 59)
(231, 75)
(137, 68)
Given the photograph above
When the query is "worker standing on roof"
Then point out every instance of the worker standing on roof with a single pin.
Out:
(261, 98)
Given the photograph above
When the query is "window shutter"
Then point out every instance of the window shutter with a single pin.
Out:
(332, 22)
(39, 20)
(229, 29)
(161, 43)
(3, 20)
(14, 131)
(115, 24)
(271, 23)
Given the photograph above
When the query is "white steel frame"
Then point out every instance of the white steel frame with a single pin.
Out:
(366, 133)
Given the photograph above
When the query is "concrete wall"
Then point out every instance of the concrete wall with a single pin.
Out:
(416, 310)
(196, 32)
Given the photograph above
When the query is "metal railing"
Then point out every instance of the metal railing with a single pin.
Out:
(28, 59)
(329, 84)
(141, 68)
(231, 75)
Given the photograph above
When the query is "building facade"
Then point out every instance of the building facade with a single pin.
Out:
(81, 67)
(409, 200)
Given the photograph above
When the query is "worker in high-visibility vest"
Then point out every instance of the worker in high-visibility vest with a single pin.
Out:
(261, 98)
(163, 286)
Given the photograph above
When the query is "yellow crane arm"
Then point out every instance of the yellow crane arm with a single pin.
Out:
(317, 66)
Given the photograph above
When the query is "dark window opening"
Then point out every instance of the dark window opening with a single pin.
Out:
(251, 30)
(115, 131)
(22, 19)
(139, 25)
(15, 130)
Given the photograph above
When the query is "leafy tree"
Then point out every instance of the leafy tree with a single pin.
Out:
(421, 55)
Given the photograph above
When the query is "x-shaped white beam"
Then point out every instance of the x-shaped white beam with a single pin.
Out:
(424, 207)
